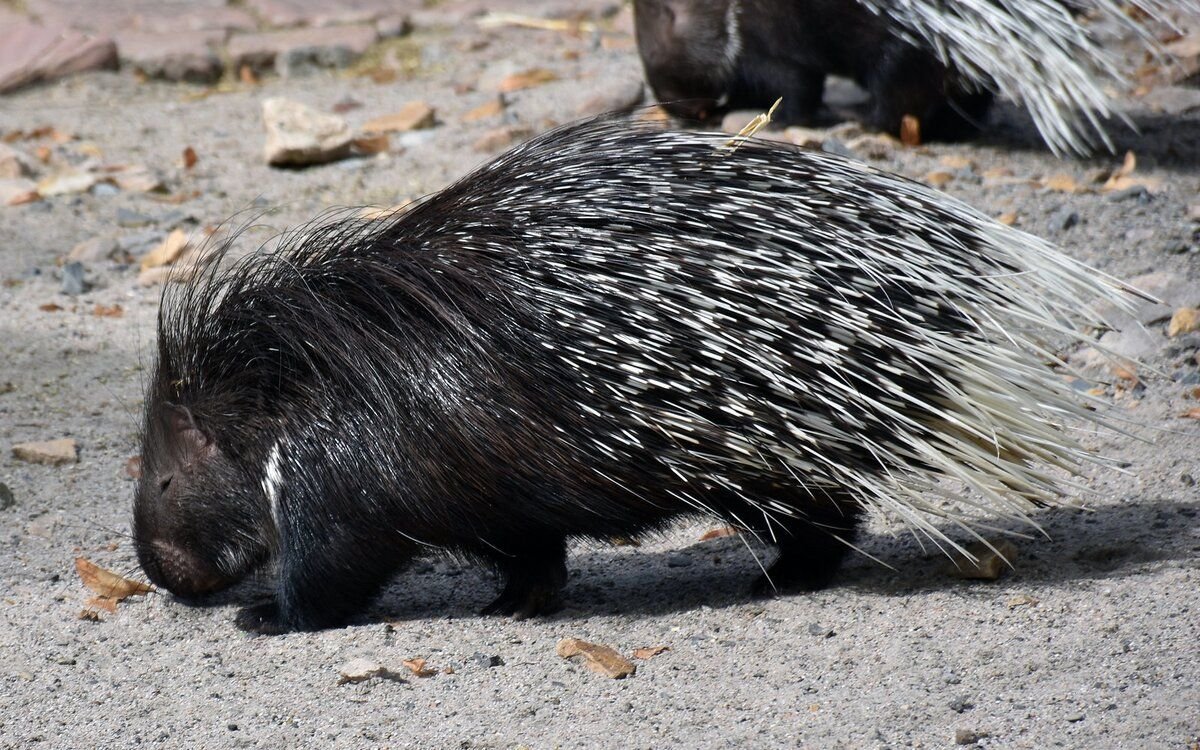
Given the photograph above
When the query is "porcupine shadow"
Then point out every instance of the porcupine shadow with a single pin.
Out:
(1167, 141)
(1082, 546)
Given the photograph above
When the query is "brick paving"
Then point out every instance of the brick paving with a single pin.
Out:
(195, 40)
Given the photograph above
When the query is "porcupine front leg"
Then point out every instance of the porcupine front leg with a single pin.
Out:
(329, 568)
(811, 545)
(533, 579)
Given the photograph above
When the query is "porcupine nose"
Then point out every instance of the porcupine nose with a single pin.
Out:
(177, 570)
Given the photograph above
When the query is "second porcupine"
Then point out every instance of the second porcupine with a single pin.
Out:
(603, 330)
(939, 62)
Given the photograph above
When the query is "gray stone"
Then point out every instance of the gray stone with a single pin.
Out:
(1138, 193)
(179, 56)
(1062, 219)
(105, 190)
(127, 217)
(328, 47)
(6, 497)
(317, 13)
(30, 53)
(298, 135)
(73, 281)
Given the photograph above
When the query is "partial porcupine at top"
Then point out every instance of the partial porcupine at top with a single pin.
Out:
(604, 329)
(938, 62)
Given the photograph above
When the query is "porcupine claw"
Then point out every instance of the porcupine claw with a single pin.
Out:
(260, 619)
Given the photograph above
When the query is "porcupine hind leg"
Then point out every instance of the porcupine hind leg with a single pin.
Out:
(812, 544)
(533, 579)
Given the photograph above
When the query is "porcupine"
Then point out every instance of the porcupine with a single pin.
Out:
(604, 329)
(940, 62)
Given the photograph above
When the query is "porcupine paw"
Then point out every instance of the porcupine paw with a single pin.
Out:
(528, 594)
(260, 619)
(795, 574)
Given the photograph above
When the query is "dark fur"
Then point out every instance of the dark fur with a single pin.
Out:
(786, 49)
(405, 371)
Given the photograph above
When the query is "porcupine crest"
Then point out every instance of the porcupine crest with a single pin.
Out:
(645, 304)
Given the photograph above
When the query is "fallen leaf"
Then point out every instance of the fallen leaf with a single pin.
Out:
(649, 652)
(598, 658)
(488, 109)
(957, 162)
(374, 143)
(133, 467)
(719, 532)
(526, 79)
(189, 157)
(910, 131)
(247, 75)
(1008, 218)
(1191, 413)
(89, 615)
(167, 252)
(50, 307)
(104, 603)
(66, 184)
(1185, 320)
(111, 311)
(938, 179)
(1061, 183)
(106, 583)
(418, 668)
(135, 178)
(375, 214)
(412, 116)
(1125, 372)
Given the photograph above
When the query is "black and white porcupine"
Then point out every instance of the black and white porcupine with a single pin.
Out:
(604, 329)
(940, 62)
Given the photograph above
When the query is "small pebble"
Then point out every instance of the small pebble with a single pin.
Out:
(6, 497)
(73, 282)
(1135, 192)
(481, 659)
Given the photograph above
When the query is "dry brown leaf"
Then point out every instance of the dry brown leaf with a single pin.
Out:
(526, 79)
(910, 131)
(488, 109)
(1191, 413)
(717, 533)
(1008, 218)
(247, 75)
(375, 214)
(498, 19)
(106, 583)
(412, 116)
(103, 602)
(953, 161)
(50, 307)
(167, 252)
(1127, 165)
(938, 179)
(1126, 372)
(418, 668)
(1061, 183)
(89, 615)
(598, 658)
(374, 143)
(110, 311)
(133, 467)
(189, 157)
(649, 652)
(1184, 320)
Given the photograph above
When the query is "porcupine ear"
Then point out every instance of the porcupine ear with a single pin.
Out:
(182, 432)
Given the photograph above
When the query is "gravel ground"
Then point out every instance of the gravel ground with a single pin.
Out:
(1093, 641)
